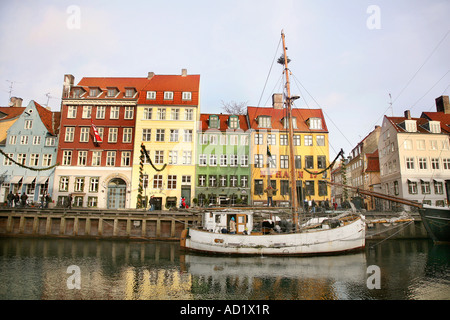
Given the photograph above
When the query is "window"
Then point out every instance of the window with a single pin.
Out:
(67, 158)
(148, 113)
(160, 135)
(438, 187)
(271, 139)
(100, 112)
(187, 135)
(12, 139)
(264, 122)
(157, 181)
(187, 157)
(146, 134)
(114, 112)
(409, 163)
(64, 184)
(421, 144)
(127, 135)
(321, 162)
(186, 180)
(173, 157)
(71, 112)
(50, 141)
(233, 122)
(92, 202)
(320, 140)
(28, 124)
(22, 158)
(93, 92)
(161, 114)
(410, 125)
(435, 163)
(168, 95)
(7, 161)
(129, 113)
(412, 187)
(82, 158)
(188, 114)
(283, 140)
(323, 189)
(36, 140)
(34, 159)
(70, 131)
(96, 158)
(244, 140)
(423, 163)
(86, 112)
(272, 161)
(129, 93)
(309, 162)
(234, 139)
(214, 121)
(175, 114)
(159, 156)
(173, 135)
(46, 160)
(309, 188)
(110, 158)
(284, 187)
(244, 181)
(258, 186)
(284, 161)
(223, 160)
(433, 145)
(298, 162)
(223, 181)
(286, 123)
(233, 160)
(202, 180)
(396, 189)
(407, 144)
(151, 95)
(259, 139)
(233, 181)
(315, 123)
(93, 184)
(112, 135)
(187, 96)
(297, 140)
(259, 161)
(213, 139)
(202, 160)
(308, 140)
(446, 163)
(212, 160)
(79, 184)
(425, 186)
(244, 160)
(24, 140)
(84, 134)
(213, 181)
(125, 159)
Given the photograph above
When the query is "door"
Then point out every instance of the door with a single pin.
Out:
(241, 221)
(186, 193)
(117, 190)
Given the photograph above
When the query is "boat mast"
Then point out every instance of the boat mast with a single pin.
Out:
(289, 100)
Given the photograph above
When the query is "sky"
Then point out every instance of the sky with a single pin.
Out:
(357, 60)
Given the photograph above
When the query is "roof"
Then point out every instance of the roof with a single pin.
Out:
(277, 115)
(103, 83)
(373, 162)
(420, 123)
(50, 119)
(8, 113)
(444, 118)
(223, 119)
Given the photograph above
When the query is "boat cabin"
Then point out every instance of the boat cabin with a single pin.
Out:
(219, 221)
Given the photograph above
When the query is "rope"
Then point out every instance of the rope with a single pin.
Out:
(341, 153)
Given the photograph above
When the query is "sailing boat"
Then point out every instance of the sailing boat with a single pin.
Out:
(338, 235)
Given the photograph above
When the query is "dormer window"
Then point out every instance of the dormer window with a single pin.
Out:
(410, 126)
(214, 121)
(315, 123)
(77, 92)
(151, 95)
(168, 95)
(93, 92)
(130, 92)
(264, 122)
(187, 96)
(435, 126)
(233, 122)
(112, 92)
(286, 122)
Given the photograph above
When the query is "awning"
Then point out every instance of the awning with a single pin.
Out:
(15, 179)
(438, 180)
(41, 180)
(29, 180)
(411, 180)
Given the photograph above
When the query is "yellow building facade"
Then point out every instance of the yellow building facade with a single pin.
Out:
(166, 122)
(270, 156)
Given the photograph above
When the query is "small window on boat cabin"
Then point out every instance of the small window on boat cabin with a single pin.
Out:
(264, 122)
(315, 123)
(213, 121)
(233, 122)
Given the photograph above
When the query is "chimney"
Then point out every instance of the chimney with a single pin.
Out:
(15, 102)
(408, 114)
(277, 101)
(442, 104)
(183, 72)
(150, 75)
(67, 85)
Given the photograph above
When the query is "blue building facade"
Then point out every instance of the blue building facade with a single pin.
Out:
(28, 156)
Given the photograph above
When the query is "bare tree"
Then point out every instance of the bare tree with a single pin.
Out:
(234, 107)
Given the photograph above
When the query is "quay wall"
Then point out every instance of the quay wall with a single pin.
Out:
(104, 224)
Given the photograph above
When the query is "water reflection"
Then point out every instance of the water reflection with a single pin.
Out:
(37, 269)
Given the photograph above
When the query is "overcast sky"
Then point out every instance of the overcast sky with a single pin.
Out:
(347, 55)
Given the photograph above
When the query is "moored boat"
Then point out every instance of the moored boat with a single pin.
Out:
(437, 222)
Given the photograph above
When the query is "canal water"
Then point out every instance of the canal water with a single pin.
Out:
(66, 269)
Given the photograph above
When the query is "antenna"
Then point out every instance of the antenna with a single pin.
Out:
(390, 105)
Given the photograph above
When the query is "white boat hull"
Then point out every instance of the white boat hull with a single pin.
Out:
(345, 238)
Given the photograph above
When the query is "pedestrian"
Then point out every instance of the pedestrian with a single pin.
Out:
(313, 204)
(232, 226)
(69, 199)
(270, 191)
(10, 198)
(47, 200)
(23, 199)
(151, 202)
(16, 199)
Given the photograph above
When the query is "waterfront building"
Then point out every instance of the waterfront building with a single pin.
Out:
(167, 116)
(223, 169)
(28, 148)
(95, 150)
(415, 159)
(269, 153)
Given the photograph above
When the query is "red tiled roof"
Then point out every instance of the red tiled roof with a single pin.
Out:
(10, 112)
(50, 119)
(223, 118)
(444, 118)
(373, 162)
(277, 115)
(103, 83)
(395, 121)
